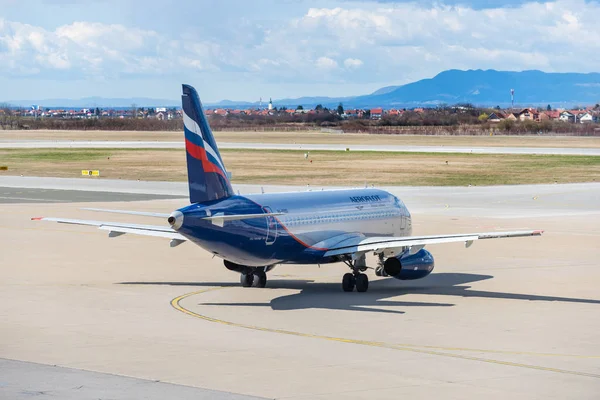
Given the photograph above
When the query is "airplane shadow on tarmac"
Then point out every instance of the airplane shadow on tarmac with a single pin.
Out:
(329, 295)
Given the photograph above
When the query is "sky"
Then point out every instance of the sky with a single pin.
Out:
(245, 50)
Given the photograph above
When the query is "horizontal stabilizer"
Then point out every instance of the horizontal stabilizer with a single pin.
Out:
(142, 213)
(116, 229)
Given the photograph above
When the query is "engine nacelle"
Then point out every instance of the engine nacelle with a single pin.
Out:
(408, 267)
(244, 269)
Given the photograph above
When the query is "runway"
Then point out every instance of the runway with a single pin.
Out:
(63, 144)
(507, 318)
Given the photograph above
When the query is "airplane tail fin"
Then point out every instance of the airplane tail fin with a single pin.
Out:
(207, 176)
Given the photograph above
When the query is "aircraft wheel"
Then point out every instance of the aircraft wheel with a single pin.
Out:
(260, 279)
(362, 283)
(379, 271)
(246, 279)
(348, 282)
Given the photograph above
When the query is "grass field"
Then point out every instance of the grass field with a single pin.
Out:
(316, 138)
(323, 168)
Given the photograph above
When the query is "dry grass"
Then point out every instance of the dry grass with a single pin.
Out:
(316, 138)
(326, 168)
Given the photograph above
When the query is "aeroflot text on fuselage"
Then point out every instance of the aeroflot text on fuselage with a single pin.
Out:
(362, 199)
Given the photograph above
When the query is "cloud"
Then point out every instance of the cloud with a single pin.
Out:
(326, 63)
(282, 45)
(351, 63)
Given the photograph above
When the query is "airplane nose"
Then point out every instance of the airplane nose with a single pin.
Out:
(175, 219)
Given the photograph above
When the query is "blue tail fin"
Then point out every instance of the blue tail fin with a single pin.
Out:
(207, 176)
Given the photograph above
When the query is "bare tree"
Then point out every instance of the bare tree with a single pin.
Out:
(8, 118)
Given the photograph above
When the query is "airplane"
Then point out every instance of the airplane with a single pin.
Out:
(254, 233)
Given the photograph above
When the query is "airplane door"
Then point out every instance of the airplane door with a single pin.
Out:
(271, 227)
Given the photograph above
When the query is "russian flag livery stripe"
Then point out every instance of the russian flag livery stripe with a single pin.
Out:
(207, 176)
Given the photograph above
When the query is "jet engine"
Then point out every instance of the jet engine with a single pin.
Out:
(244, 269)
(408, 267)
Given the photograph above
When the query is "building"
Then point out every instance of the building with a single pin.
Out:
(567, 116)
(550, 115)
(496, 116)
(376, 113)
(586, 118)
(529, 114)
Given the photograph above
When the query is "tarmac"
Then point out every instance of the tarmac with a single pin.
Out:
(85, 316)
(98, 144)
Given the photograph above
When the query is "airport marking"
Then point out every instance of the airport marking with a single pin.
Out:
(430, 350)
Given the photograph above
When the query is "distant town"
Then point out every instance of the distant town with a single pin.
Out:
(469, 118)
(589, 114)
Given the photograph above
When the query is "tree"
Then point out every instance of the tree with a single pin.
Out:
(549, 108)
(483, 117)
(506, 124)
(300, 107)
(319, 108)
(340, 109)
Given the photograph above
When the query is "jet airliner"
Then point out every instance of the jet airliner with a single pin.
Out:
(254, 233)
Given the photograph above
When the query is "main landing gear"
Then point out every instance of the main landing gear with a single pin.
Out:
(255, 277)
(356, 278)
(379, 270)
(250, 276)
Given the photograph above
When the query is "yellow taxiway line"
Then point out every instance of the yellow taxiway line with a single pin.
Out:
(431, 350)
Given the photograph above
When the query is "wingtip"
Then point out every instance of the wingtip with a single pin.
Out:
(538, 232)
(37, 218)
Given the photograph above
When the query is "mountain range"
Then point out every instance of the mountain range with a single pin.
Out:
(478, 87)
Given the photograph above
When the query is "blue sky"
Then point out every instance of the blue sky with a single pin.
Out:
(244, 50)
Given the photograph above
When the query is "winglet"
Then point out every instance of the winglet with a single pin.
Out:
(37, 218)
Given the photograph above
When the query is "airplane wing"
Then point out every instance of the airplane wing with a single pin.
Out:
(118, 228)
(393, 245)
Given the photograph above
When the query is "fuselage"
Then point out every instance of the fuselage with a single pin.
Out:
(310, 223)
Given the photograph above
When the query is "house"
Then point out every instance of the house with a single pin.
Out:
(496, 116)
(529, 114)
(586, 118)
(395, 113)
(221, 111)
(577, 115)
(567, 116)
(350, 114)
(376, 113)
(512, 116)
(550, 115)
